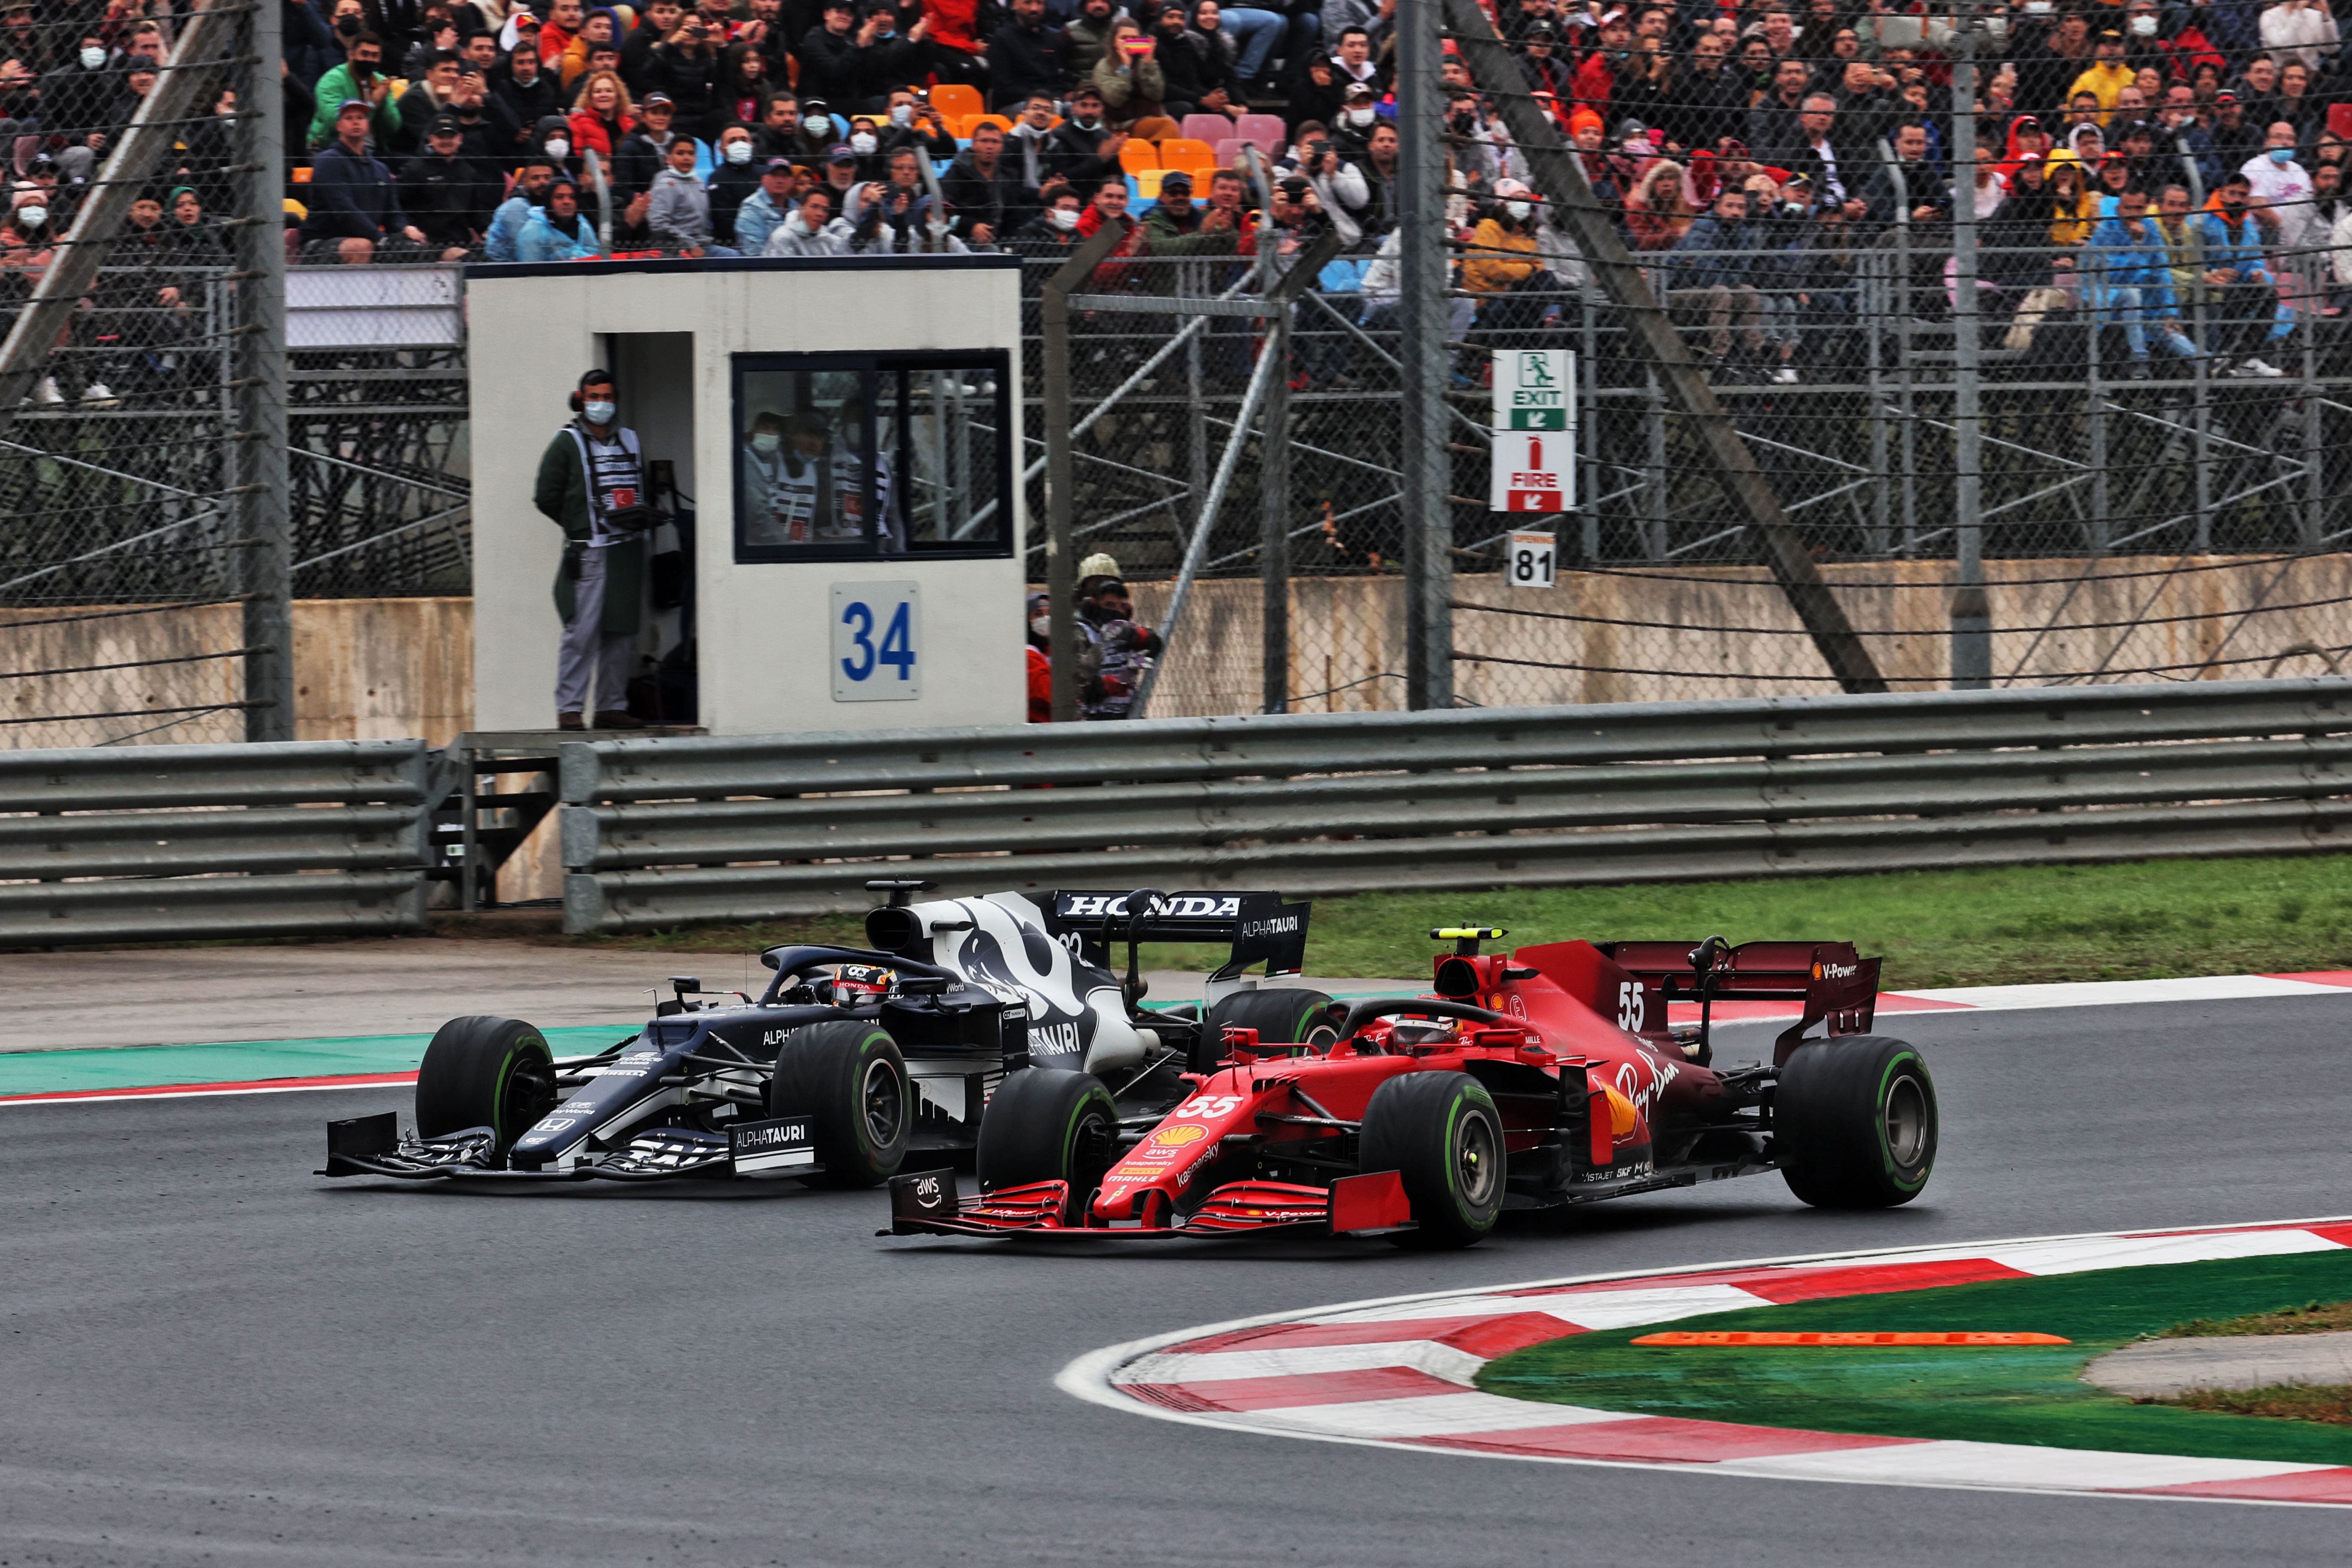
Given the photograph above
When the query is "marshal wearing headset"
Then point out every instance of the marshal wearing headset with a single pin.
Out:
(592, 483)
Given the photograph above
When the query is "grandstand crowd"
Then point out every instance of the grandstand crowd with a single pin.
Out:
(2173, 168)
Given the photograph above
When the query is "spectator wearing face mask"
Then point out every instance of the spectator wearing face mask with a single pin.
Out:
(812, 230)
(734, 180)
(2281, 188)
(1052, 231)
(911, 121)
(1124, 649)
(530, 93)
(1040, 661)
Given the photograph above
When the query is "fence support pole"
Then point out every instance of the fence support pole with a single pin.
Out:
(263, 509)
(1559, 178)
(1274, 547)
(1421, 310)
(1971, 610)
(1061, 560)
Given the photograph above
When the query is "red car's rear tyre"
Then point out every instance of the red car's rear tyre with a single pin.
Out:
(1281, 1016)
(1439, 1131)
(1855, 1122)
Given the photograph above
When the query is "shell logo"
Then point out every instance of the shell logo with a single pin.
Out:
(1178, 1137)
(1817, 971)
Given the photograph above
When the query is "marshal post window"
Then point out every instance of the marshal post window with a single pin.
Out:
(868, 457)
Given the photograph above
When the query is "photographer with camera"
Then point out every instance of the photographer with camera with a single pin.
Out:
(592, 484)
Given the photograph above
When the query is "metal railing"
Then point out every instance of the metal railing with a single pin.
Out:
(299, 838)
(661, 832)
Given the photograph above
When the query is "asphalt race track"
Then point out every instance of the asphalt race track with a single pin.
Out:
(211, 1357)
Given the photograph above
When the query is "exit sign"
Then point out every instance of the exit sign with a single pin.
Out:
(1533, 389)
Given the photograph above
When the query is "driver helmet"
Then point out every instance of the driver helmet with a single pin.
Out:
(855, 984)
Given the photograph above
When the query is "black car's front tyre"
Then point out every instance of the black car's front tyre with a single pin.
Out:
(851, 1079)
(1855, 1122)
(1439, 1131)
(485, 1072)
(1048, 1124)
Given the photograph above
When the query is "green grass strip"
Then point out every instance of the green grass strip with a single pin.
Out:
(2023, 1395)
(1992, 926)
(247, 1061)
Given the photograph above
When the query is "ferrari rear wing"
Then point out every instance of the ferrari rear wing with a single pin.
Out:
(1259, 926)
(1830, 978)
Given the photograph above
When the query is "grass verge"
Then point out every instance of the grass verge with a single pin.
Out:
(1998, 926)
(2329, 1404)
(2003, 1394)
(2312, 1318)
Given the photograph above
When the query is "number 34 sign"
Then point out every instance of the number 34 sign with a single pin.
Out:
(878, 642)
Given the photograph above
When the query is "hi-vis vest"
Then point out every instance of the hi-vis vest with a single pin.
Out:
(803, 500)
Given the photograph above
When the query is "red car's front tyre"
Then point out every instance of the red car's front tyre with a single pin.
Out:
(1440, 1132)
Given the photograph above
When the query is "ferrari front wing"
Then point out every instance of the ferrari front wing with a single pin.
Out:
(927, 1203)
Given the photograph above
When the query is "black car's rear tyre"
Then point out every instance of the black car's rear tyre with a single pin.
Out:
(1855, 1122)
(850, 1077)
(1048, 1124)
(1440, 1131)
(1281, 1016)
(485, 1072)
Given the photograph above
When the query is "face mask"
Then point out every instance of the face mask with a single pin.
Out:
(1360, 118)
(557, 147)
(347, 25)
(902, 114)
(739, 151)
(863, 142)
(819, 125)
(765, 442)
(1085, 122)
(598, 412)
(32, 216)
(92, 59)
(2282, 154)
(801, 221)
(1063, 218)
(1041, 625)
(1518, 210)
(2144, 27)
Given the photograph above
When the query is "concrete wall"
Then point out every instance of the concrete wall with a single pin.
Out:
(765, 630)
(364, 669)
(2195, 619)
(369, 668)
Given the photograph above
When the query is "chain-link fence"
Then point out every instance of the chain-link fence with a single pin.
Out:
(138, 598)
(2161, 489)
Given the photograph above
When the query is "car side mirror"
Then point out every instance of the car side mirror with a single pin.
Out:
(925, 985)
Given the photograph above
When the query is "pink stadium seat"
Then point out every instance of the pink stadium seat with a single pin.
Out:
(1210, 128)
(1265, 130)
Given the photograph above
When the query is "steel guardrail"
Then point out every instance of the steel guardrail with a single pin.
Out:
(658, 832)
(177, 843)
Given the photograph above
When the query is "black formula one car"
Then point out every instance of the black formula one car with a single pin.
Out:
(853, 1057)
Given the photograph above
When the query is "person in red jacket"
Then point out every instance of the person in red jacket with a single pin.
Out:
(1041, 663)
(957, 53)
(601, 116)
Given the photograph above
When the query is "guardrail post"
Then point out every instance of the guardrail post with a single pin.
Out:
(263, 509)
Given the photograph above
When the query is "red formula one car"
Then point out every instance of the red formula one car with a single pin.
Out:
(1546, 1077)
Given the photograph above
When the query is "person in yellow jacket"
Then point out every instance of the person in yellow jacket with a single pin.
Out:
(2107, 77)
(1502, 253)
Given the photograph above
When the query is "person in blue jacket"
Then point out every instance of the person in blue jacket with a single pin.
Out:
(2130, 276)
(505, 233)
(557, 232)
(354, 204)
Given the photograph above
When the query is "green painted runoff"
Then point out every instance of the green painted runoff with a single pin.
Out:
(2023, 1395)
(247, 1061)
